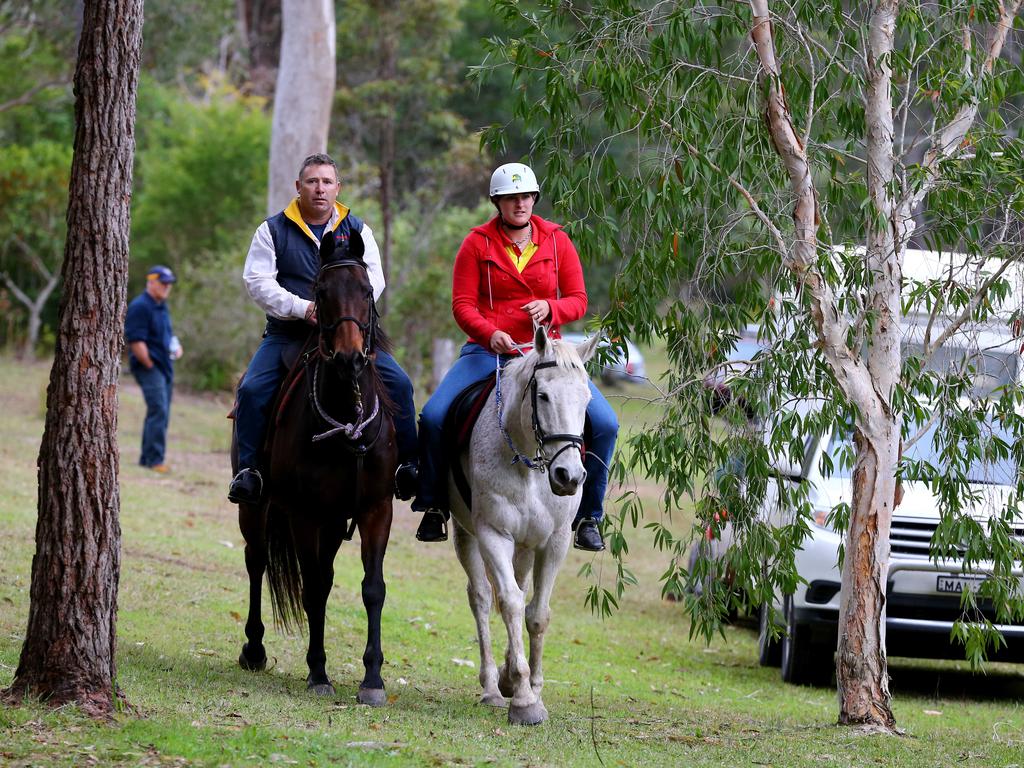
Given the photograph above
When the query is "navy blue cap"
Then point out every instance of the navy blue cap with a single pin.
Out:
(163, 274)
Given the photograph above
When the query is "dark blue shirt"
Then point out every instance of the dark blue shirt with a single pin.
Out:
(148, 320)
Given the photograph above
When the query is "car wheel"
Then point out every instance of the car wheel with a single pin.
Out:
(804, 662)
(769, 649)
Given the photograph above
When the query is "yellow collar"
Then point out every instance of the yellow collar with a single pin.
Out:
(292, 212)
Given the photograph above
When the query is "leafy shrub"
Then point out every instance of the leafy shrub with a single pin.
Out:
(218, 324)
(420, 283)
(201, 176)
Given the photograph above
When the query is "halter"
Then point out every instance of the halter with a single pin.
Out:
(539, 462)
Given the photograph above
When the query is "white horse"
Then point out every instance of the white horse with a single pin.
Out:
(522, 510)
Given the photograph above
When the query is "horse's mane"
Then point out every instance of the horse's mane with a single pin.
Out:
(565, 356)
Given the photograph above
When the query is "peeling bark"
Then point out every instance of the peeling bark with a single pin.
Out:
(861, 664)
(68, 654)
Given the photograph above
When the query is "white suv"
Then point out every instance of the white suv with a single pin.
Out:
(923, 596)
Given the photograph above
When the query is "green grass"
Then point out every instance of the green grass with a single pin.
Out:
(631, 690)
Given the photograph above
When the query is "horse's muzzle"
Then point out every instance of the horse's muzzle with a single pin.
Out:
(349, 364)
(565, 482)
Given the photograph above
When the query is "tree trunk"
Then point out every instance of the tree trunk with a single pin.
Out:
(259, 41)
(304, 94)
(387, 73)
(68, 653)
(862, 672)
(861, 668)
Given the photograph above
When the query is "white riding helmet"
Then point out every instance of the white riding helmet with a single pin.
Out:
(512, 179)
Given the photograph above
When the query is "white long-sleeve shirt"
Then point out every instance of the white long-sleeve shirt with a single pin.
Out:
(260, 270)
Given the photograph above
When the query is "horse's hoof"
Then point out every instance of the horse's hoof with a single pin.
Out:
(372, 697)
(320, 689)
(252, 665)
(531, 714)
(493, 700)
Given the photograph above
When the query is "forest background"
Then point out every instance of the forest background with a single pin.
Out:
(203, 137)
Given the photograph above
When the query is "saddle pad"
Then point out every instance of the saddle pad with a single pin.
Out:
(458, 428)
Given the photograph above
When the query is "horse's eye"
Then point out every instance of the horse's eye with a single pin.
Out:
(543, 396)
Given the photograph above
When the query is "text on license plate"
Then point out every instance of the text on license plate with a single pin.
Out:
(957, 584)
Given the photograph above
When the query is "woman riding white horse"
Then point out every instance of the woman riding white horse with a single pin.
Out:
(512, 273)
(524, 465)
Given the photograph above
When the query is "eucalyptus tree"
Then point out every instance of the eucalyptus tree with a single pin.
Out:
(749, 146)
(304, 94)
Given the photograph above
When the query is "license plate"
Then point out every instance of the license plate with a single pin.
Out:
(957, 584)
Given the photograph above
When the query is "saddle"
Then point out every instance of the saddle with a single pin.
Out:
(294, 358)
(458, 428)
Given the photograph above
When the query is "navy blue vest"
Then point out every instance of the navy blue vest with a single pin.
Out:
(298, 262)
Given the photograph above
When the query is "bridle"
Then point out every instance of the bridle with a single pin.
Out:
(352, 431)
(368, 329)
(539, 462)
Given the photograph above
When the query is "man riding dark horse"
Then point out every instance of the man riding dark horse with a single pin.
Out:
(330, 461)
(279, 273)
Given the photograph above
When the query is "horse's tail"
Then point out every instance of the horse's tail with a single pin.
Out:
(283, 576)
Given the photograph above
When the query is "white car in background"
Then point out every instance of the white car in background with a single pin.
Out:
(618, 369)
(923, 596)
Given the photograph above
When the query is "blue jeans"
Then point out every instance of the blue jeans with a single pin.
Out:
(267, 370)
(156, 389)
(474, 364)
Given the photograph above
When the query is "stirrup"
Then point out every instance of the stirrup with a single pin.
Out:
(242, 490)
(433, 526)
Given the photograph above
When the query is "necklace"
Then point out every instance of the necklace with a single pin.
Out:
(524, 239)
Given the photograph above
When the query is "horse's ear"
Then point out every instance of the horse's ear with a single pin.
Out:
(356, 246)
(327, 248)
(541, 344)
(587, 349)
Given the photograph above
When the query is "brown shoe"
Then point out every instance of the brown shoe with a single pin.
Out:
(163, 469)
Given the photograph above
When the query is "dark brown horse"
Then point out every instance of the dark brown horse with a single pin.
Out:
(330, 460)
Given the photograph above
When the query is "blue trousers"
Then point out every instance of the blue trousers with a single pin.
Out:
(156, 389)
(267, 370)
(474, 364)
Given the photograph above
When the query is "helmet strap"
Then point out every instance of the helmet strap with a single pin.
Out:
(506, 225)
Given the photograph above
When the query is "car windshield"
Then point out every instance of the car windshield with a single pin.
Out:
(989, 369)
(1000, 472)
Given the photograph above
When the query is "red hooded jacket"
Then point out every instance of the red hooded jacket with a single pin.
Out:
(488, 292)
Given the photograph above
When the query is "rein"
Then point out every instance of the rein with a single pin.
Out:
(354, 430)
(538, 462)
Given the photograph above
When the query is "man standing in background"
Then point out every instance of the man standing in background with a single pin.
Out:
(152, 350)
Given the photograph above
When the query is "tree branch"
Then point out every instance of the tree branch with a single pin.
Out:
(33, 258)
(968, 310)
(26, 97)
(801, 257)
(19, 294)
(947, 141)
